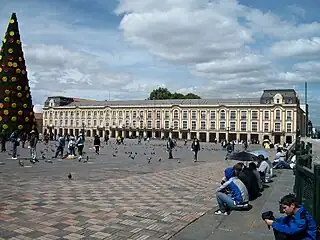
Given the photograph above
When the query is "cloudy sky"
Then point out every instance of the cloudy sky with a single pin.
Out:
(122, 49)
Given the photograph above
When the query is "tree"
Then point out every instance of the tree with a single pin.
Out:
(16, 109)
(163, 93)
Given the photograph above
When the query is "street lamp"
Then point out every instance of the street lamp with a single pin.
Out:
(83, 129)
(228, 130)
(51, 127)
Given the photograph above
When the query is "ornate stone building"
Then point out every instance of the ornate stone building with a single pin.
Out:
(275, 115)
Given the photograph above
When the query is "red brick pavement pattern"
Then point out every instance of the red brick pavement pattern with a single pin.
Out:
(149, 206)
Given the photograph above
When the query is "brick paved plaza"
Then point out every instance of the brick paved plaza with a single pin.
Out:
(110, 197)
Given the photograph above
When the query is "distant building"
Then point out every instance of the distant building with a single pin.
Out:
(275, 115)
(39, 121)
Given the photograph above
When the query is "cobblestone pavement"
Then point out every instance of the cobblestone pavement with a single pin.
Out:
(110, 197)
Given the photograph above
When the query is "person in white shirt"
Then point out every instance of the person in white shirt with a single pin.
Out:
(264, 169)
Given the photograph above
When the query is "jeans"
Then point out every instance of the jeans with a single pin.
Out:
(3, 146)
(97, 149)
(282, 165)
(225, 201)
(170, 153)
(33, 153)
(196, 155)
(14, 149)
(80, 150)
(59, 150)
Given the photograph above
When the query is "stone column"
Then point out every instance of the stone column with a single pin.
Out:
(117, 134)
(189, 136)
(162, 135)
(207, 137)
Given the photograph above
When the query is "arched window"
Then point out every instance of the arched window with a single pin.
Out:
(175, 114)
(222, 115)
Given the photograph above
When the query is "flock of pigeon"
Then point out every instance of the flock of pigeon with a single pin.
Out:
(145, 149)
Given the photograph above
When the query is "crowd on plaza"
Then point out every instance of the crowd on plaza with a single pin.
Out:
(241, 184)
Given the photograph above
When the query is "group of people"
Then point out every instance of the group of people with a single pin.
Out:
(16, 138)
(242, 184)
(195, 147)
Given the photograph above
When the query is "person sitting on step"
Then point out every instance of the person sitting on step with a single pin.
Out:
(237, 197)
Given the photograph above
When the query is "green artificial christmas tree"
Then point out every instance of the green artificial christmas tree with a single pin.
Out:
(16, 109)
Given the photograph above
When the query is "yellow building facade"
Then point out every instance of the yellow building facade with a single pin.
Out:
(275, 115)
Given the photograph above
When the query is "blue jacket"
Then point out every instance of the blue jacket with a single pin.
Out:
(239, 192)
(300, 224)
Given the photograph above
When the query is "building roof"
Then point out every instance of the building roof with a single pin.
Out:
(240, 101)
(82, 100)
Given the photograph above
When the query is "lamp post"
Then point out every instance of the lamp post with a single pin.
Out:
(228, 130)
(83, 129)
(51, 127)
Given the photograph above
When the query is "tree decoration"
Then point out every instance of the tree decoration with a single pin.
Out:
(15, 99)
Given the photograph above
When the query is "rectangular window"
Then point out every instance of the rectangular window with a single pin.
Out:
(289, 115)
(277, 127)
(254, 126)
(233, 115)
(289, 127)
(203, 115)
(149, 124)
(141, 114)
(232, 126)
(213, 115)
(127, 114)
(243, 126)
(134, 114)
(193, 125)
(184, 124)
(149, 116)
(158, 114)
(166, 125)
(193, 114)
(158, 124)
(166, 114)
(203, 125)
(243, 115)
(266, 115)
(175, 125)
(266, 127)
(134, 124)
(222, 125)
(212, 125)
(254, 115)
(185, 114)
(141, 124)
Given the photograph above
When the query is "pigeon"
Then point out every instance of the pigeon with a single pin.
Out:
(21, 163)
(133, 157)
(149, 159)
(159, 159)
(43, 157)
(49, 161)
(70, 176)
(114, 155)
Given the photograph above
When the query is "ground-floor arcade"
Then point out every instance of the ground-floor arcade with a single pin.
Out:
(203, 136)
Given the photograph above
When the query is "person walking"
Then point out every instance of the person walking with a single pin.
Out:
(3, 139)
(170, 146)
(61, 145)
(195, 147)
(80, 146)
(33, 140)
(96, 143)
(15, 143)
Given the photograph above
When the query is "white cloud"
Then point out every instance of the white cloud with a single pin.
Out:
(217, 48)
(297, 48)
